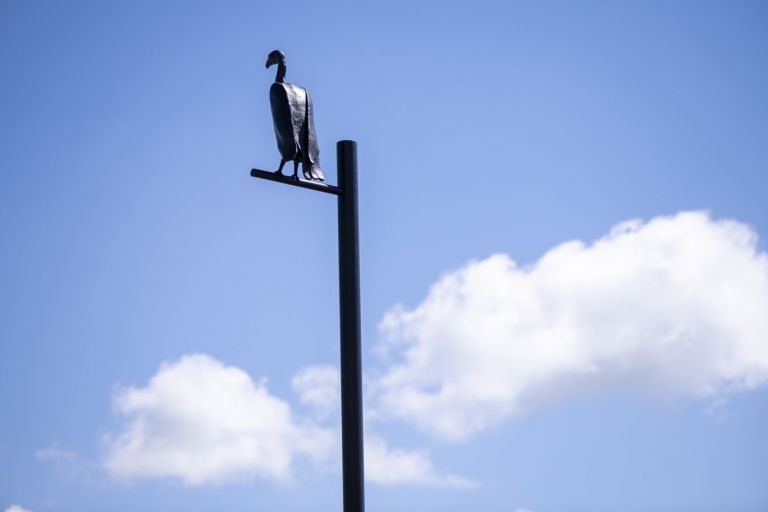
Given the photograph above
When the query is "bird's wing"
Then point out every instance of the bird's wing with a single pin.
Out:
(286, 131)
(312, 149)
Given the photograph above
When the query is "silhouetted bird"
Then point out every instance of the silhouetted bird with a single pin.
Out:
(294, 126)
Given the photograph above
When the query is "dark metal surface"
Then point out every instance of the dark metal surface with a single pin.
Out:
(349, 310)
(294, 123)
(297, 182)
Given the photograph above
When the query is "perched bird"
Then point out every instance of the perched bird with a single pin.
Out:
(294, 126)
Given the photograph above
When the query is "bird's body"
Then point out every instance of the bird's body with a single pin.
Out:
(294, 123)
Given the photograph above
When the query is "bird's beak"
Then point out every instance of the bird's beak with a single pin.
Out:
(268, 64)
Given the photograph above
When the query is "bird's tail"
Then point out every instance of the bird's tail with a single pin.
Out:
(316, 172)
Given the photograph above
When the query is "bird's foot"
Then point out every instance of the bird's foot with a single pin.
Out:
(295, 177)
(279, 172)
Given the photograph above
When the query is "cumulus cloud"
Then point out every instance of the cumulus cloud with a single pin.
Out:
(319, 388)
(675, 304)
(201, 421)
(16, 508)
(387, 466)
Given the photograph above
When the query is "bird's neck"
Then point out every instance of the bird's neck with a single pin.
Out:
(280, 78)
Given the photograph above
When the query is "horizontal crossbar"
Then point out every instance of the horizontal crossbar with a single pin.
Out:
(296, 182)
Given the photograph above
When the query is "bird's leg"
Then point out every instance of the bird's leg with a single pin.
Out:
(280, 169)
(295, 169)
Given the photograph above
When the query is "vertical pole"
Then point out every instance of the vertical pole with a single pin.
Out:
(349, 297)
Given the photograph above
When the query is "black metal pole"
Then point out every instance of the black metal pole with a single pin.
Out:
(349, 298)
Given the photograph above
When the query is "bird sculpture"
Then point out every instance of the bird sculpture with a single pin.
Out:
(294, 125)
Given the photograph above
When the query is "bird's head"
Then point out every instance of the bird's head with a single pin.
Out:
(275, 57)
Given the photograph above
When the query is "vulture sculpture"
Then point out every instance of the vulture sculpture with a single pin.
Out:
(294, 126)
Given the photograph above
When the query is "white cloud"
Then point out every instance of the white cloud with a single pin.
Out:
(387, 466)
(319, 388)
(678, 304)
(202, 422)
(16, 508)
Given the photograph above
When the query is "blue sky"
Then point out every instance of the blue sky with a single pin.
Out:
(169, 325)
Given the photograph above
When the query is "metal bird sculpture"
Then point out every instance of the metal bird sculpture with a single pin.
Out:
(294, 125)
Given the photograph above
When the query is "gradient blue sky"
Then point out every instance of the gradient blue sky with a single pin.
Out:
(131, 233)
